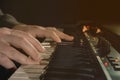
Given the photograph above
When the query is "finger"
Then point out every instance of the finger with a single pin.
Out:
(66, 37)
(15, 55)
(5, 31)
(6, 62)
(24, 44)
(48, 34)
(31, 39)
(53, 35)
(42, 32)
(35, 43)
(61, 34)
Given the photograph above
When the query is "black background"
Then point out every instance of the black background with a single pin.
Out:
(57, 12)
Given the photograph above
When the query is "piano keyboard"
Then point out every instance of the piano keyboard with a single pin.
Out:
(69, 61)
(33, 72)
(76, 60)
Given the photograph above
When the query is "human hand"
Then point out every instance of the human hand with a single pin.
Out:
(18, 39)
(49, 32)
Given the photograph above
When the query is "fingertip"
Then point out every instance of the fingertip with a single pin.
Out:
(31, 61)
(42, 49)
(10, 66)
(35, 57)
(38, 58)
(71, 37)
(59, 41)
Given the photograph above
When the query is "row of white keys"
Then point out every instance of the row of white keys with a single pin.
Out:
(33, 72)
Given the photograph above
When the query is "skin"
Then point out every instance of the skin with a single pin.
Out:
(23, 37)
(39, 31)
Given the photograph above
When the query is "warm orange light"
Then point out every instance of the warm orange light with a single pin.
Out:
(98, 30)
(85, 28)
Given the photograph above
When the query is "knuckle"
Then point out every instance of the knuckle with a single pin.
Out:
(5, 31)
(26, 33)
(35, 26)
(52, 32)
(54, 28)
(4, 28)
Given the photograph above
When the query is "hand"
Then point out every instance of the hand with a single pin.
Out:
(18, 39)
(39, 31)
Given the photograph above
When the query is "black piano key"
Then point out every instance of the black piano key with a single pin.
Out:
(73, 61)
(54, 78)
(65, 75)
(73, 70)
(117, 69)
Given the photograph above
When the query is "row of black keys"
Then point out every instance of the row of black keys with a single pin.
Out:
(73, 62)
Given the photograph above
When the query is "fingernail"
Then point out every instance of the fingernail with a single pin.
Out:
(31, 59)
(72, 37)
(59, 41)
(38, 58)
(43, 49)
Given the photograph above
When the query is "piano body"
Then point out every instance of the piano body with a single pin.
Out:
(80, 59)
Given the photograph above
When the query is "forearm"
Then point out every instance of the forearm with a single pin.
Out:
(8, 20)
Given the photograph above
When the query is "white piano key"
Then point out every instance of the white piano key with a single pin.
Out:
(117, 66)
(37, 66)
(34, 79)
(46, 46)
(36, 71)
(21, 78)
(44, 62)
(45, 56)
(19, 74)
(33, 72)
(45, 43)
(48, 40)
(34, 76)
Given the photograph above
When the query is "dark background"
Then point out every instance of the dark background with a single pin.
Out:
(57, 12)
